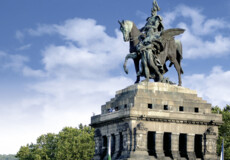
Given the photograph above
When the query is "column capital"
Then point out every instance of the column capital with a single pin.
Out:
(159, 132)
(176, 134)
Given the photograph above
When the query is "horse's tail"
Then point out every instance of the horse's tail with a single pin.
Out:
(179, 54)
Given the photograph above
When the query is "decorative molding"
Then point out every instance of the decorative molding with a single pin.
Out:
(129, 117)
(210, 131)
(122, 128)
(141, 127)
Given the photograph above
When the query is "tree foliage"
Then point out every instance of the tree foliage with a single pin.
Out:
(224, 131)
(69, 144)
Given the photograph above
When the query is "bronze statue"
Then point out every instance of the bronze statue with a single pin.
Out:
(153, 48)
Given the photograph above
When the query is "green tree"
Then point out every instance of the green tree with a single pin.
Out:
(46, 146)
(24, 153)
(69, 144)
(224, 131)
(75, 143)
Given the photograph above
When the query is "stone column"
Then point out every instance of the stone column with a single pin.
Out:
(125, 145)
(98, 144)
(175, 145)
(125, 130)
(97, 155)
(210, 144)
(190, 146)
(203, 144)
(117, 146)
(140, 142)
(159, 145)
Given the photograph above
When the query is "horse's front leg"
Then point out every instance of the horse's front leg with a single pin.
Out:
(136, 63)
(128, 56)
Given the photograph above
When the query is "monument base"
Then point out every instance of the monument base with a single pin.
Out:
(156, 121)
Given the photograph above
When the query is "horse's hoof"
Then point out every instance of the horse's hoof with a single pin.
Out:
(146, 80)
(136, 82)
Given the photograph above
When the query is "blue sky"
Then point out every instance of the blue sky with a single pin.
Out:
(60, 60)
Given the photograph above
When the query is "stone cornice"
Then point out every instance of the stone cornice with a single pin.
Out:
(116, 119)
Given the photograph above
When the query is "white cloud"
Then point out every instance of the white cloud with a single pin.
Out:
(24, 47)
(74, 82)
(83, 31)
(213, 87)
(29, 72)
(195, 47)
(200, 25)
(12, 61)
(42, 29)
(19, 35)
(203, 37)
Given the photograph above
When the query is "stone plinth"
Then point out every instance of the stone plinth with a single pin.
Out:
(156, 121)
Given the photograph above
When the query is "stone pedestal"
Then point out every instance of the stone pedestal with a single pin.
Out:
(155, 109)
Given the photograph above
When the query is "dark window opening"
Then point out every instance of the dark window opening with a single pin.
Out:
(116, 108)
(150, 106)
(183, 145)
(151, 143)
(181, 108)
(196, 110)
(166, 107)
(167, 144)
(125, 106)
(198, 146)
(113, 143)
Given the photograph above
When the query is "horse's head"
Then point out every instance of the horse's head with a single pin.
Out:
(126, 28)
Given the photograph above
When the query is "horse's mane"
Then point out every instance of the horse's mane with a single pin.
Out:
(132, 26)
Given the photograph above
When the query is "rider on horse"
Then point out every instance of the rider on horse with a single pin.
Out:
(151, 42)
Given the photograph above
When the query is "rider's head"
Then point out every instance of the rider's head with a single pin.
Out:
(155, 8)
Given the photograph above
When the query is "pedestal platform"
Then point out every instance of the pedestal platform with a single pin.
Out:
(149, 121)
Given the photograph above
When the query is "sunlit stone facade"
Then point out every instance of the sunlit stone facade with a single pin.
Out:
(156, 121)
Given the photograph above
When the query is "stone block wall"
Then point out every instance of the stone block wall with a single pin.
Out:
(156, 121)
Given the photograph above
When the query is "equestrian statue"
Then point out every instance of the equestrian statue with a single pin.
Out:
(153, 46)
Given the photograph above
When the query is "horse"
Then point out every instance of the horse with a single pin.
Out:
(172, 48)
